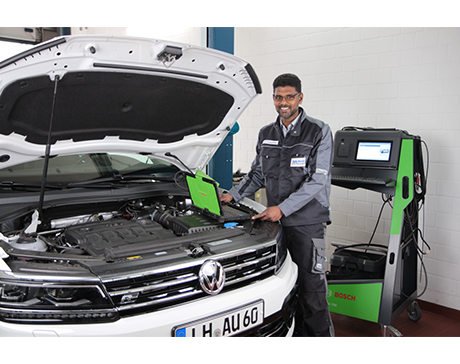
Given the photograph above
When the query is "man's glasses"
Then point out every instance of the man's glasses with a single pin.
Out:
(279, 98)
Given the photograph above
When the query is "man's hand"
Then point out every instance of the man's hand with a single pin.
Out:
(225, 197)
(272, 213)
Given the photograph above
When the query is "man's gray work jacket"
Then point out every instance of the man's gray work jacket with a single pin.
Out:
(296, 171)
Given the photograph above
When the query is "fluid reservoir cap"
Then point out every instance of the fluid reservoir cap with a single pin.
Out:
(230, 224)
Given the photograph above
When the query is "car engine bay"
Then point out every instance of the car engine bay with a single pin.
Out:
(134, 225)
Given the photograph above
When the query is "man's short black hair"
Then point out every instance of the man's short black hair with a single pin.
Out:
(287, 79)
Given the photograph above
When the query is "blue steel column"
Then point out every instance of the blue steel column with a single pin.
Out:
(221, 165)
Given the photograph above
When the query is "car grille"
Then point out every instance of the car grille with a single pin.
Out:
(166, 288)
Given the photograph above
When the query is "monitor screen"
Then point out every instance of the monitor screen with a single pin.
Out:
(374, 151)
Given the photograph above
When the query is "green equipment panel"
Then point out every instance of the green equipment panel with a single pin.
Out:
(360, 300)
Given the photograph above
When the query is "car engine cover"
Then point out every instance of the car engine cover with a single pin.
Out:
(96, 237)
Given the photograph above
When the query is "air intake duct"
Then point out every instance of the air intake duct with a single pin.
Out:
(186, 224)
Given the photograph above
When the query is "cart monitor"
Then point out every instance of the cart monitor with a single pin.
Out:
(374, 151)
(368, 148)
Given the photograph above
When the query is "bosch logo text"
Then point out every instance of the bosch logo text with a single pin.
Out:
(345, 296)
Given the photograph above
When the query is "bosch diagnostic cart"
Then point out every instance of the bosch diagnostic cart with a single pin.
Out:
(378, 282)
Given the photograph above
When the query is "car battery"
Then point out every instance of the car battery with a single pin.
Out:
(357, 263)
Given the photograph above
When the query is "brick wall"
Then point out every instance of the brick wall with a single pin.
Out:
(406, 78)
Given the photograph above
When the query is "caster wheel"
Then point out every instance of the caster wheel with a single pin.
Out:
(414, 312)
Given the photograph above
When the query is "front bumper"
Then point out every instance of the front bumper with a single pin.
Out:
(277, 292)
(280, 324)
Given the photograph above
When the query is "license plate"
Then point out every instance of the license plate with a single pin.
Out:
(225, 324)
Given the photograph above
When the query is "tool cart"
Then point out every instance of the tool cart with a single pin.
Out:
(378, 282)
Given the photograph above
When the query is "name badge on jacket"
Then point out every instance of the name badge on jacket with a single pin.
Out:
(270, 142)
(298, 162)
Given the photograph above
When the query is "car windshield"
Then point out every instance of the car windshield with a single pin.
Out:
(86, 167)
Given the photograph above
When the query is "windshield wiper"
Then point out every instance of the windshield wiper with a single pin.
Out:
(21, 185)
(109, 181)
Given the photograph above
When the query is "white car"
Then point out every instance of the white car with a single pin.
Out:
(98, 232)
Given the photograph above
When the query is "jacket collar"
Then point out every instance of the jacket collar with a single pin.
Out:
(296, 130)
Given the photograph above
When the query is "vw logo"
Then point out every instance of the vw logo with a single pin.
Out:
(212, 277)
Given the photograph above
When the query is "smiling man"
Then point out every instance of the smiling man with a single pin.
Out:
(293, 163)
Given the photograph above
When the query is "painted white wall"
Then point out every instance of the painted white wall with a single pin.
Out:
(405, 78)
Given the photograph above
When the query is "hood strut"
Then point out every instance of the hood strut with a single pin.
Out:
(48, 150)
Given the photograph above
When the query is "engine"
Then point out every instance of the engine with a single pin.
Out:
(135, 222)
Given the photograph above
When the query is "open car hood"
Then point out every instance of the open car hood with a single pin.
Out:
(96, 94)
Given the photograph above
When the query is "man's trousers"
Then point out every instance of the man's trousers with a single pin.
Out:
(307, 248)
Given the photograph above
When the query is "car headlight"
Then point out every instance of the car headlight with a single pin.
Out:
(47, 303)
